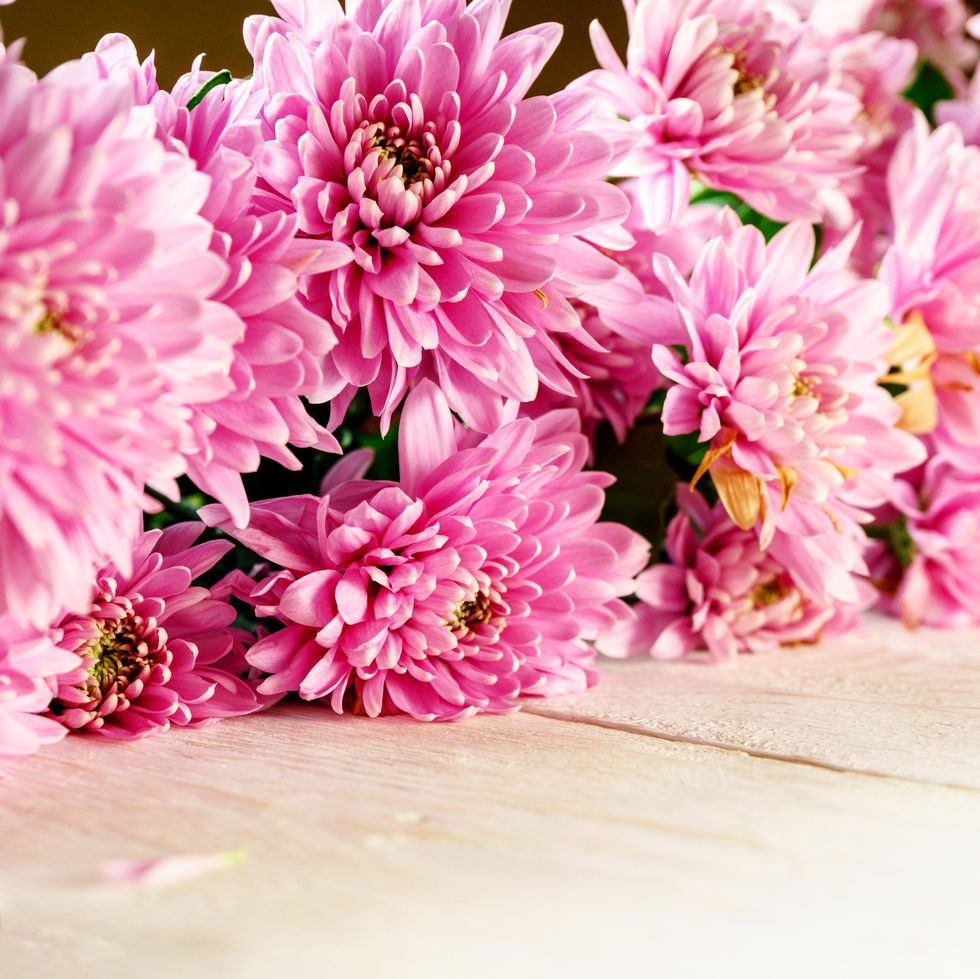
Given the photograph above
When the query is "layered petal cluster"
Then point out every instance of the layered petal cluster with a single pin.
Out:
(964, 112)
(726, 90)
(876, 69)
(933, 273)
(475, 581)
(153, 649)
(29, 658)
(722, 593)
(451, 210)
(965, 109)
(278, 359)
(107, 338)
(938, 28)
(926, 560)
(775, 366)
(617, 375)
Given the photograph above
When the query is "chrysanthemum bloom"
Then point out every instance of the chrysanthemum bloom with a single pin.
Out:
(617, 376)
(938, 28)
(722, 593)
(153, 648)
(929, 550)
(473, 582)
(933, 272)
(279, 356)
(107, 340)
(965, 110)
(28, 659)
(450, 209)
(876, 69)
(779, 379)
(726, 91)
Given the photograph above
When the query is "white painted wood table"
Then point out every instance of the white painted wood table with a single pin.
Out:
(814, 813)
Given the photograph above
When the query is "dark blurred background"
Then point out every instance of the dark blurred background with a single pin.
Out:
(179, 30)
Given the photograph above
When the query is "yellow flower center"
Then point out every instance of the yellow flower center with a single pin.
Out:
(769, 592)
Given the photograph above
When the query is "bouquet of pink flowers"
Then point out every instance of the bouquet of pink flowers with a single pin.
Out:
(309, 381)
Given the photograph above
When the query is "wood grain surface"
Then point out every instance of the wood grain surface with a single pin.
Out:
(809, 814)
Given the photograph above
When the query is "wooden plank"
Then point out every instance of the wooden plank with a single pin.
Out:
(886, 701)
(519, 845)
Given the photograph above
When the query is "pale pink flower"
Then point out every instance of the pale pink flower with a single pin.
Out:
(933, 272)
(154, 649)
(877, 70)
(927, 559)
(450, 210)
(476, 580)
(726, 91)
(965, 110)
(28, 659)
(779, 379)
(278, 359)
(107, 339)
(722, 593)
(938, 28)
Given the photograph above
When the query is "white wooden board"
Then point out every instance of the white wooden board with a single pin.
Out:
(581, 844)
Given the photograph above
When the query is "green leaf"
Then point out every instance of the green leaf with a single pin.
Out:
(928, 88)
(644, 489)
(746, 214)
(222, 78)
(897, 538)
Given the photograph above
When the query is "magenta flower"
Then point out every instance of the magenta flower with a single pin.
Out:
(726, 91)
(153, 649)
(476, 580)
(933, 273)
(779, 379)
(278, 358)
(28, 659)
(723, 593)
(107, 340)
(450, 210)
(926, 563)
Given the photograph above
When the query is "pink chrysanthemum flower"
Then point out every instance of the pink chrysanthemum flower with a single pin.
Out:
(877, 70)
(278, 359)
(965, 110)
(449, 208)
(926, 561)
(933, 272)
(722, 593)
(779, 379)
(726, 91)
(938, 28)
(107, 340)
(153, 649)
(617, 376)
(28, 660)
(474, 581)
